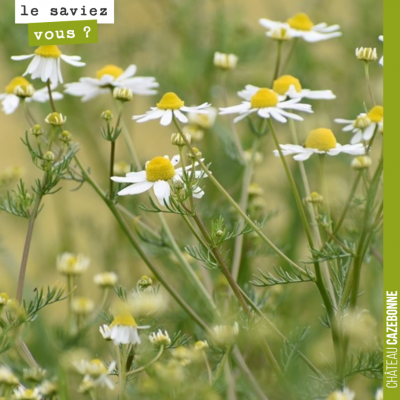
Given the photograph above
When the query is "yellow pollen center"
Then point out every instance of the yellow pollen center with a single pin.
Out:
(282, 84)
(170, 101)
(48, 51)
(29, 392)
(18, 81)
(159, 169)
(72, 261)
(124, 319)
(376, 114)
(321, 139)
(264, 98)
(109, 69)
(300, 21)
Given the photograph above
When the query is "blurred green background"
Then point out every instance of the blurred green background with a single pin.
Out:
(174, 41)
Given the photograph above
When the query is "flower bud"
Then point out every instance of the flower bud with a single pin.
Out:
(24, 91)
(105, 279)
(55, 119)
(279, 32)
(36, 130)
(144, 282)
(366, 54)
(49, 156)
(34, 374)
(160, 338)
(361, 162)
(122, 94)
(361, 122)
(195, 133)
(4, 299)
(314, 198)
(82, 305)
(65, 137)
(107, 115)
(201, 345)
(121, 168)
(225, 61)
(225, 335)
(7, 378)
(196, 152)
(177, 139)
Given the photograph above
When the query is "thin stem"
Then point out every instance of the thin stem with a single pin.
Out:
(53, 106)
(144, 367)
(248, 173)
(236, 206)
(209, 372)
(289, 56)
(129, 143)
(367, 78)
(112, 156)
(278, 61)
(348, 203)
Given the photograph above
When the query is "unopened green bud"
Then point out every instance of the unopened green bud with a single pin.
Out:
(144, 282)
(177, 139)
(314, 198)
(49, 156)
(107, 115)
(36, 130)
(65, 137)
(196, 152)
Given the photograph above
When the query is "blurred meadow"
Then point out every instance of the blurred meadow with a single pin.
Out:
(175, 41)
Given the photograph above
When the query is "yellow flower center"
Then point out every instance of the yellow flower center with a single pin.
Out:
(72, 261)
(159, 169)
(321, 139)
(170, 101)
(4, 296)
(264, 98)
(282, 84)
(18, 81)
(109, 69)
(376, 114)
(48, 51)
(300, 21)
(124, 319)
(98, 364)
(28, 393)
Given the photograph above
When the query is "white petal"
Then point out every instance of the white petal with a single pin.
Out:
(267, 23)
(312, 36)
(19, 58)
(166, 119)
(276, 115)
(73, 60)
(175, 160)
(369, 132)
(162, 191)
(357, 137)
(131, 177)
(128, 73)
(318, 94)
(10, 103)
(136, 188)
(150, 115)
(180, 116)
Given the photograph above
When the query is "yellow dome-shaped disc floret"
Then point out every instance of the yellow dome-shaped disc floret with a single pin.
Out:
(125, 320)
(282, 84)
(109, 69)
(48, 51)
(376, 114)
(264, 98)
(321, 139)
(98, 368)
(159, 169)
(170, 101)
(300, 21)
(18, 81)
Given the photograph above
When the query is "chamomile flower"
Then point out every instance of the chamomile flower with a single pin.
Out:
(160, 338)
(46, 63)
(123, 330)
(72, 264)
(320, 141)
(96, 371)
(300, 25)
(379, 394)
(109, 77)
(19, 89)
(170, 106)
(26, 394)
(7, 378)
(363, 127)
(345, 394)
(267, 104)
(289, 86)
(158, 173)
(381, 59)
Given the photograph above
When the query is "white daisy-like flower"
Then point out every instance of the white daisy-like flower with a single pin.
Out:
(123, 330)
(27, 394)
(289, 86)
(345, 394)
(7, 378)
(267, 104)
(363, 127)
(379, 394)
(19, 89)
(4, 299)
(170, 106)
(320, 141)
(96, 371)
(160, 338)
(279, 32)
(110, 77)
(225, 335)
(301, 26)
(46, 63)
(105, 279)
(381, 59)
(72, 264)
(158, 173)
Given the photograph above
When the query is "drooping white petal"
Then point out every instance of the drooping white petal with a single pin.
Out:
(162, 191)
(131, 177)
(180, 116)
(10, 103)
(369, 132)
(155, 113)
(245, 106)
(73, 60)
(312, 36)
(166, 119)
(357, 137)
(19, 58)
(128, 73)
(175, 160)
(136, 188)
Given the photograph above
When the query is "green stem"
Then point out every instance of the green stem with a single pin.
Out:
(278, 61)
(129, 144)
(248, 173)
(144, 367)
(233, 203)
(112, 156)
(367, 78)
(53, 106)
(291, 52)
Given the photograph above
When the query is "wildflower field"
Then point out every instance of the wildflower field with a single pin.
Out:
(192, 207)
